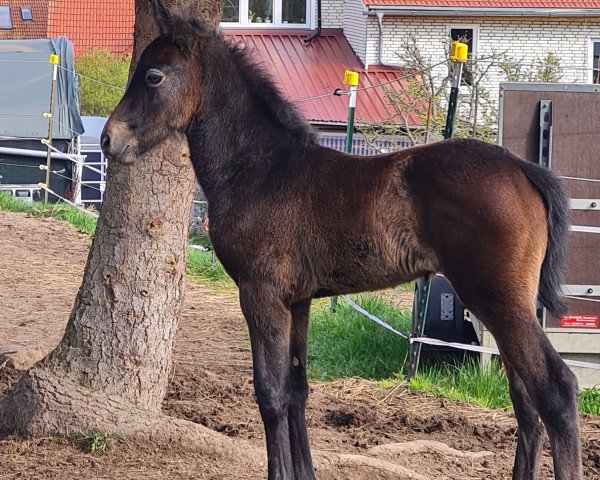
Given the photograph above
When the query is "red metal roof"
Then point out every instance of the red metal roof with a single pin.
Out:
(304, 71)
(36, 28)
(105, 24)
(488, 3)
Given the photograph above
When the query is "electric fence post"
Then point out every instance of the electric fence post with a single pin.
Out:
(350, 79)
(459, 54)
(50, 116)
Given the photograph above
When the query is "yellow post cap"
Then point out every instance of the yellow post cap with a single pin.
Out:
(53, 59)
(351, 78)
(459, 52)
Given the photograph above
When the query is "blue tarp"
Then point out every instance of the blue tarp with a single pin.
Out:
(25, 87)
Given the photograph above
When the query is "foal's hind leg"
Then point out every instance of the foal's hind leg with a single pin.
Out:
(549, 383)
(269, 322)
(531, 430)
(303, 468)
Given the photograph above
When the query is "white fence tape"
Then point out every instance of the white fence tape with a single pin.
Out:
(441, 343)
(77, 159)
(81, 209)
(460, 346)
(372, 317)
(585, 299)
(493, 351)
(580, 179)
(199, 247)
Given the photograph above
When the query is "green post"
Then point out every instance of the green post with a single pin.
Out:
(458, 57)
(351, 79)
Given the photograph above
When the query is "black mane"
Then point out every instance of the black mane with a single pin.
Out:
(281, 111)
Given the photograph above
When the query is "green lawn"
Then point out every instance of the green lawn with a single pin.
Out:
(347, 344)
(81, 221)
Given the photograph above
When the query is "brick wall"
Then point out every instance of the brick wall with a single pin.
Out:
(332, 12)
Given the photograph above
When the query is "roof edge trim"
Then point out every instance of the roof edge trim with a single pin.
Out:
(481, 11)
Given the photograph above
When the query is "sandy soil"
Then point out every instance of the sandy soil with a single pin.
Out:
(40, 271)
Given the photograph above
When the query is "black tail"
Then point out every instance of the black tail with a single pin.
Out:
(556, 200)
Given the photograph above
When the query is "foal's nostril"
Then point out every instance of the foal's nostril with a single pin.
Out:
(105, 142)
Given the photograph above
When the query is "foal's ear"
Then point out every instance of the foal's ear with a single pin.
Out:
(186, 38)
(164, 18)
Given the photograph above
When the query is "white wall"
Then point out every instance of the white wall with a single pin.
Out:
(332, 12)
(355, 26)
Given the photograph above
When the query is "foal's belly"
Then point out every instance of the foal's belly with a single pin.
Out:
(357, 275)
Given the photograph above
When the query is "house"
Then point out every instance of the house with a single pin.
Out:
(526, 31)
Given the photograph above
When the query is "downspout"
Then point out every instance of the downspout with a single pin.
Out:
(380, 48)
(318, 31)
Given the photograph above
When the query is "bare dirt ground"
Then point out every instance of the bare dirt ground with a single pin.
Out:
(41, 263)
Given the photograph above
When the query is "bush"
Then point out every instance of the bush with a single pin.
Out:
(98, 99)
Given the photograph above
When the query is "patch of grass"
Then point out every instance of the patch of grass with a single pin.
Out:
(94, 442)
(200, 264)
(589, 401)
(347, 344)
(466, 382)
(82, 222)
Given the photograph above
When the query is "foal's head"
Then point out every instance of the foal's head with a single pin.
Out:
(164, 94)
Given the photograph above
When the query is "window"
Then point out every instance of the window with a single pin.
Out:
(26, 14)
(596, 61)
(5, 18)
(465, 35)
(266, 13)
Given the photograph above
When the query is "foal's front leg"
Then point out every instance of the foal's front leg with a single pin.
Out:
(303, 468)
(269, 322)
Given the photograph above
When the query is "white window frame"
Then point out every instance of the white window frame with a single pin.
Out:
(473, 52)
(277, 23)
(463, 26)
(10, 19)
(591, 42)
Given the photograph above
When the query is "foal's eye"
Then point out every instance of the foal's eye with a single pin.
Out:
(154, 77)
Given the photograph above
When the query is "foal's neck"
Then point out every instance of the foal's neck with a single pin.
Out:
(245, 132)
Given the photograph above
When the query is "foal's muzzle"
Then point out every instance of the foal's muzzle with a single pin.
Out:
(116, 140)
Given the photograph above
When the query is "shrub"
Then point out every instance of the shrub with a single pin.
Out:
(100, 99)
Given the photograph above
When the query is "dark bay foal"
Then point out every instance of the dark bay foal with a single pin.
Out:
(291, 221)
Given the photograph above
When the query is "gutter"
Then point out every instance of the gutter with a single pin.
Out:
(319, 23)
(481, 11)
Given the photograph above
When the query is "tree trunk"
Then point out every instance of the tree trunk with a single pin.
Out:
(119, 337)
